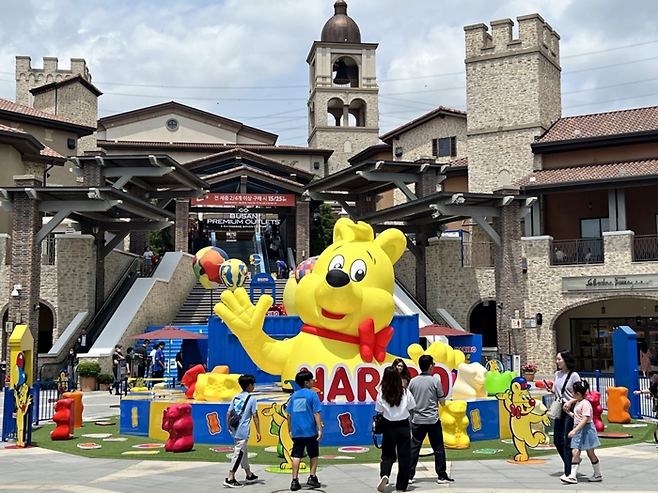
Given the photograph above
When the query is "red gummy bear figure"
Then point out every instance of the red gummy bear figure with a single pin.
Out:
(594, 398)
(64, 418)
(189, 379)
(346, 424)
(177, 420)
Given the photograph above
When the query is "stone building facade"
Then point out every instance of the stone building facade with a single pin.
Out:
(513, 95)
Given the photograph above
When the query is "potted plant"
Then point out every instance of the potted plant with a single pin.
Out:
(88, 372)
(528, 371)
(104, 381)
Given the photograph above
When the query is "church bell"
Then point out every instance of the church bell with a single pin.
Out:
(341, 73)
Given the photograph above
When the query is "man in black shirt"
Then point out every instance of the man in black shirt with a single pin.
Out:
(83, 342)
(141, 355)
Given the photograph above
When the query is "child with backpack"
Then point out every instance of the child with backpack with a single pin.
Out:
(583, 436)
(305, 428)
(238, 419)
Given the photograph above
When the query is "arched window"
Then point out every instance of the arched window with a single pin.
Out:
(345, 72)
(357, 112)
(335, 112)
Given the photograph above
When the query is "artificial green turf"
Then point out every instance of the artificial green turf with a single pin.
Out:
(202, 452)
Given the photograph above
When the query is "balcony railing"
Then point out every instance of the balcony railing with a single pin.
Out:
(478, 253)
(580, 251)
(645, 248)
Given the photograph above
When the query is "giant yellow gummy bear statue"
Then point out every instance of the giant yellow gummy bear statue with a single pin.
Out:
(346, 304)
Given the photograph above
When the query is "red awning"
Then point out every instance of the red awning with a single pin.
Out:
(441, 330)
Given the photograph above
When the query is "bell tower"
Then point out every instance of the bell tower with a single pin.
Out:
(343, 112)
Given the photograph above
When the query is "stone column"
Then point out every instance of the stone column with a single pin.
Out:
(291, 234)
(76, 255)
(26, 262)
(303, 227)
(426, 186)
(510, 281)
(182, 216)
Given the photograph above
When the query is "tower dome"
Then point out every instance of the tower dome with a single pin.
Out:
(340, 28)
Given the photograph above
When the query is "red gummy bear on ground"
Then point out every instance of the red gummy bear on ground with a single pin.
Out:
(64, 419)
(594, 399)
(177, 420)
(189, 379)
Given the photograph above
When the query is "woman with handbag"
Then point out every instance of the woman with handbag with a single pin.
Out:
(394, 402)
(562, 389)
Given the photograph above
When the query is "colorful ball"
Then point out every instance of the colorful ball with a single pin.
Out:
(206, 263)
(306, 267)
(233, 273)
(254, 259)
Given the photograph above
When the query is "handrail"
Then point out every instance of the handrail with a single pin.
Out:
(264, 259)
(418, 305)
(126, 280)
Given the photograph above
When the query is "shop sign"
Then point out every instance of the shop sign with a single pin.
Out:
(632, 282)
(253, 199)
(240, 221)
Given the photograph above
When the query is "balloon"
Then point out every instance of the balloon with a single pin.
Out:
(233, 273)
(206, 265)
(306, 267)
(254, 259)
(20, 360)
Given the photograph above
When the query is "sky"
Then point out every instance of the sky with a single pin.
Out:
(246, 59)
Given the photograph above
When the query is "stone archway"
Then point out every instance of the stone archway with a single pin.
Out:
(482, 320)
(46, 327)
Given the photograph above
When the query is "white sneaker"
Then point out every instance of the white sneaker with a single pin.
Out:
(412, 481)
(569, 480)
(596, 478)
(383, 483)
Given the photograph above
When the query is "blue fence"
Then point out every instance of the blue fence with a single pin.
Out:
(46, 394)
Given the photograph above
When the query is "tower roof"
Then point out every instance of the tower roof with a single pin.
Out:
(340, 28)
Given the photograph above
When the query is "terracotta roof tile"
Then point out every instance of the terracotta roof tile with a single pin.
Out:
(427, 116)
(46, 151)
(66, 80)
(6, 105)
(645, 167)
(602, 124)
(252, 170)
(240, 150)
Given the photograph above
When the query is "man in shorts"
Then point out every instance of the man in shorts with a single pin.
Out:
(305, 428)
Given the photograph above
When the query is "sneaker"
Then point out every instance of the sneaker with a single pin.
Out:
(252, 478)
(412, 480)
(569, 480)
(313, 482)
(383, 483)
(295, 486)
(445, 480)
(563, 477)
(232, 483)
(596, 478)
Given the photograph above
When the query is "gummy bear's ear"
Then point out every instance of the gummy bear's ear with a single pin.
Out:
(393, 242)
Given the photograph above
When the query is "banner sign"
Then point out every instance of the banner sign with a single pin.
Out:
(232, 199)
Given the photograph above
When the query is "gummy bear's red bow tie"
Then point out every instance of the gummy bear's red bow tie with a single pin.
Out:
(515, 411)
(370, 344)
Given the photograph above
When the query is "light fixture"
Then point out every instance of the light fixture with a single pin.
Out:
(15, 293)
(316, 164)
(590, 205)
(655, 308)
(603, 309)
(95, 229)
(37, 307)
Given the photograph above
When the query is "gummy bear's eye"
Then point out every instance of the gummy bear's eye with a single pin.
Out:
(337, 262)
(358, 270)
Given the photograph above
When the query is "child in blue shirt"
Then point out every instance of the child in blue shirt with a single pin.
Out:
(241, 434)
(305, 428)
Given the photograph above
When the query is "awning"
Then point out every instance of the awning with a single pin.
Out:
(440, 330)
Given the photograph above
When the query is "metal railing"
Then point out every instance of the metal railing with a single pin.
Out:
(477, 253)
(600, 382)
(46, 394)
(645, 248)
(575, 252)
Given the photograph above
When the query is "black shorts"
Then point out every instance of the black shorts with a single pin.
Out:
(310, 443)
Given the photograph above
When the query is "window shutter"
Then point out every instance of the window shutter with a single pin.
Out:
(435, 147)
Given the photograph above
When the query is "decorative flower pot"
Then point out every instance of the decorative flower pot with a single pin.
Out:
(530, 377)
(88, 384)
(104, 386)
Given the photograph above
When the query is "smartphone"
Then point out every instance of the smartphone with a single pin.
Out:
(547, 385)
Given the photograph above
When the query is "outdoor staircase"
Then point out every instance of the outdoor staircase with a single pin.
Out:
(200, 302)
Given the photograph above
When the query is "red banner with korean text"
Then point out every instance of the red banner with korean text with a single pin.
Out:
(246, 199)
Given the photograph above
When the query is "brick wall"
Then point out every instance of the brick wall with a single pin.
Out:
(76, 277)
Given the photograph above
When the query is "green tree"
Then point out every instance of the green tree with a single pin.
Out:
(322, 230)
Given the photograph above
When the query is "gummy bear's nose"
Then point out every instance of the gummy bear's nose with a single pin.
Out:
(531, 402)
(337, 278)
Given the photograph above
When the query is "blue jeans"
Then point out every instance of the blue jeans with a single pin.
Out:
(561, 429)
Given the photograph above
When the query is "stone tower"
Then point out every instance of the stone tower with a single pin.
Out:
(512, 95)
(343, 112)
(28, 78)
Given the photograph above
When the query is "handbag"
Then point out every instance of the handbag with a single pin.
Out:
(377, 427)
(235, 418)
(555, 411)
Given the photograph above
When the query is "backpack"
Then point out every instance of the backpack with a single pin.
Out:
(235, 418)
